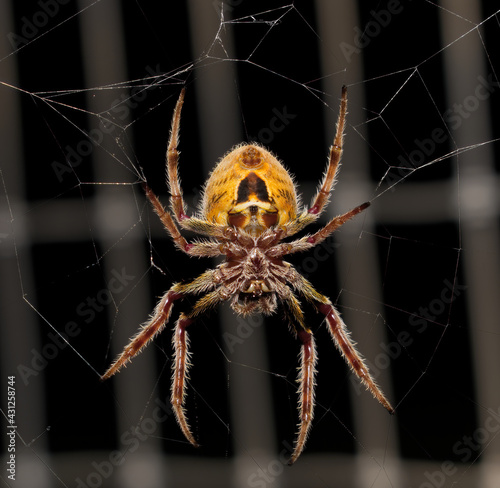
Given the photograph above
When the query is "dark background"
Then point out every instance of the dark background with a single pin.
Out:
(59, 251)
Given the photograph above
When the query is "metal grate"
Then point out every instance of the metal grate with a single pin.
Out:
(65, 241)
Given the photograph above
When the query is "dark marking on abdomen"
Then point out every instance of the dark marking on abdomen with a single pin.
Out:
(252, 185)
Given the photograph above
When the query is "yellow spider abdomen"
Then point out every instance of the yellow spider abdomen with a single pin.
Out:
(250, 189)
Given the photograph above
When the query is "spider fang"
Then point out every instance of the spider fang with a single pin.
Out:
(257, 287)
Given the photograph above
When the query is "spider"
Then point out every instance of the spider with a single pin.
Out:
(249, 206)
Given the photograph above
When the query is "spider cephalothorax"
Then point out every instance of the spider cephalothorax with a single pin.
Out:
(250, 206)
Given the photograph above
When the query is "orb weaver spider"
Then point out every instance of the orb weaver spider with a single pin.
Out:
(250, 205)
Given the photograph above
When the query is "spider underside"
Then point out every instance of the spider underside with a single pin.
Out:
(254, 277)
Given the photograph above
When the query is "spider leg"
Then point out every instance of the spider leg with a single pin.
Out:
(335, 223)
(306, 378)
(180, 367)
(341, 338)
(176, 200)
(177, 203)
(322, 196)
(345, 345)
(206, 228)
(199, 249)
(147, 332)
(159, 319)
(325, 188)
(306, 391)
(167, 220)
(296, 225)
(309, 241)
(181, 360)
(207, 302)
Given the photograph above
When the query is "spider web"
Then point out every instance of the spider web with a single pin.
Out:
(88, 90)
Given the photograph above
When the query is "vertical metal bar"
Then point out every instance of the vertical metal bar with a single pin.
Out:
(251, 411)
(20, 325)
(375, 436)
(104, 58)
(466, 76)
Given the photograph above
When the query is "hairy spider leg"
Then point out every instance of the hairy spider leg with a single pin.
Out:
(157, 323)
(180, 374)
(341, 338)
(161, 315)
(344, 344)
(340, 335)
(199, 248)
(167, 220)
(310, 241)
(306, 391)
(335, 223)
(307, 373)
(146, 333)
(181, 361)
(324, 190)
(173, 181)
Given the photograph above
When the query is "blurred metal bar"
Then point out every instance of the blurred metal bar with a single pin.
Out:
(478, 200)
(104, 61)
(20, 334)
(252, 425)
(375, 430)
